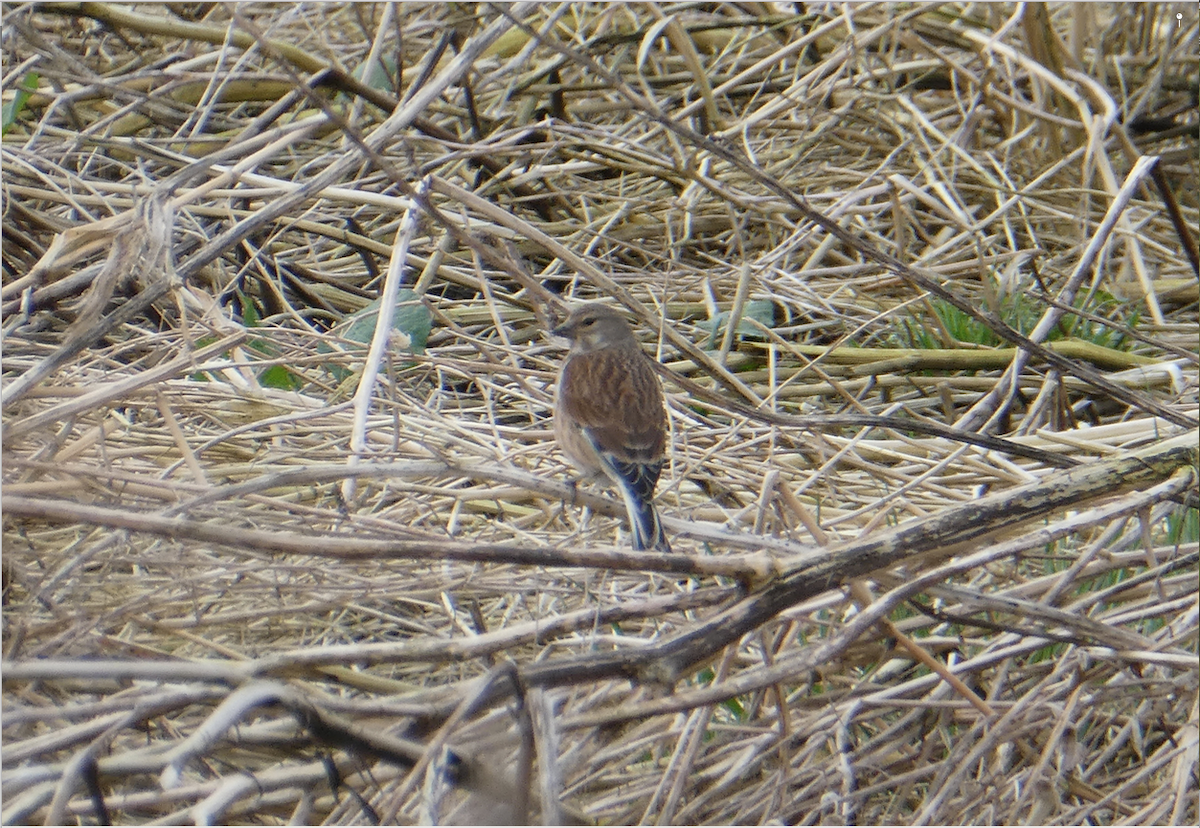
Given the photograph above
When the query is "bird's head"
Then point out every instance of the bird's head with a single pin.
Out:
(595, 326)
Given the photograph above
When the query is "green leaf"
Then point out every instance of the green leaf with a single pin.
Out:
(10, 111)
(250, 315)
(382, 72)
(735, 707)
(761, 311)
(277, 376)
(412, 320)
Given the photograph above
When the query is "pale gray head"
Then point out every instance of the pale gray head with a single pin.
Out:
(593, 327)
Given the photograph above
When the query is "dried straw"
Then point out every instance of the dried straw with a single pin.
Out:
(923, 287)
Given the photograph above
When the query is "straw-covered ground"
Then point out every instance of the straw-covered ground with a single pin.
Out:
(921, 281)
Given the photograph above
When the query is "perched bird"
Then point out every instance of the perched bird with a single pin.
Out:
(609, 417)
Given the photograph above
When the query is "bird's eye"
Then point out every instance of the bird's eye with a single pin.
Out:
(588, 321)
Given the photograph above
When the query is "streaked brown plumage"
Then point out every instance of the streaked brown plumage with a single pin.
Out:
(609, 416)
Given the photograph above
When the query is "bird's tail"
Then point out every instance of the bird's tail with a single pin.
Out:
(636, 483)
(646, 527)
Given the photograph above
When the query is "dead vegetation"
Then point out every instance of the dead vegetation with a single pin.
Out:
(924, 283)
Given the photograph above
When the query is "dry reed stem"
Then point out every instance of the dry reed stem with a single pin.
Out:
(851, 236)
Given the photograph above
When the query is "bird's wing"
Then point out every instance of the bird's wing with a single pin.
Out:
(614, 396)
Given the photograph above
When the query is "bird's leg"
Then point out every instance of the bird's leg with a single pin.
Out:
(573, 482)
(583, 477)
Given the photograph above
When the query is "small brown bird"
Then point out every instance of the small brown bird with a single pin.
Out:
(609, 417)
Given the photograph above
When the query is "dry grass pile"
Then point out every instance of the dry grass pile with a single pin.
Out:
(923, 282)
